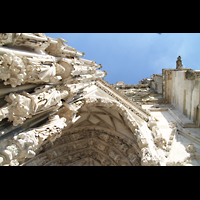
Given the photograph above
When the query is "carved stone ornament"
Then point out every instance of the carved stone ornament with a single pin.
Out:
(77, 145)
(23, 106)
(191, 148)
(179, 65)
(59, 77)
(36, 41)
(147, 158)
(17, 70)
(5, 38)
(24, 144)
(58, 48)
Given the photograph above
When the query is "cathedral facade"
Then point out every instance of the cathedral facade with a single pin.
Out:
(57, 110)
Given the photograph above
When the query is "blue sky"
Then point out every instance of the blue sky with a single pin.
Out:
(130, 57)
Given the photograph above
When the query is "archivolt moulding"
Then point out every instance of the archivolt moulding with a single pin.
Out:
(147, 157)
(101, 144)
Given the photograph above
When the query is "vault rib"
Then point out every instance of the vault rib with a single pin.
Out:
(108, 113)
(113, 128)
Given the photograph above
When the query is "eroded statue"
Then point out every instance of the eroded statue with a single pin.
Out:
(24, 144)
(24, 105)
(17, 70)
(179, 65)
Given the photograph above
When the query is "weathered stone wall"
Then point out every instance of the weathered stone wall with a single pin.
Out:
(156, 84)
(185, 94)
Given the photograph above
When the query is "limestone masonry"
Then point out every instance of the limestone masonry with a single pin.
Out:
(56, 109)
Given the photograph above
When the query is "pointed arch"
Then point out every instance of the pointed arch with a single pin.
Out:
(97, 144)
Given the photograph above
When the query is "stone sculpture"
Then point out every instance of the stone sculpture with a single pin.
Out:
(23, 106)
(17, 70)
(64, 76)
(24, 144)
(37, 41)
(58, 48)
(179, 65)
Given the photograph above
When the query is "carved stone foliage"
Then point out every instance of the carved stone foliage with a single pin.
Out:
(12, 69)
(147, 158)
(76, 147)
(24, 144)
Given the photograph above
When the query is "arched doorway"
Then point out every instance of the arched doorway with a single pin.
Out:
(104, 135)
